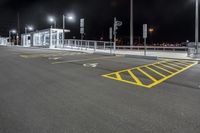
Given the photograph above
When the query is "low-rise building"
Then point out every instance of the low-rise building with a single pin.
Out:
(4, 41)
(44, 38)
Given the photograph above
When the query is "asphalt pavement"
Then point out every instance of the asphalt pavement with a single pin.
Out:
(51, 91)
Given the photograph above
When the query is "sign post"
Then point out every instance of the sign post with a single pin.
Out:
(111, 38)
(145, 38)
(82, 30)
(117, 24)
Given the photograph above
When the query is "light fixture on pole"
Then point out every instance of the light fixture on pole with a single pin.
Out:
(27, 28)
(52, 20)
(10, 33)
(69, 17)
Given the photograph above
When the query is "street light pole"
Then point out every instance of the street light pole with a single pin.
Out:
(55, 24)
(10, 37)
(25, 36)
(131, 24)
(197, 27)
(63, 30)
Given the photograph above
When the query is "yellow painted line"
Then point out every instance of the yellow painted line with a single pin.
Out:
(169, 67)
(125, 70)
(179, 63)
(134, 77)
(170, 76)
(156, 71)
(185, 62)
(125, 81)
(118, 76)
(72, 61)
(149, 76)
(163, 69)
(154, 81)
(175, 65)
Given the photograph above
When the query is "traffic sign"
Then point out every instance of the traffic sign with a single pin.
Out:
(82, 23)
(144, 31)
(82, 30)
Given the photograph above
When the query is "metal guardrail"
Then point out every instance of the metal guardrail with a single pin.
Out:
(88, 45)
(163, 48)
(106, 45)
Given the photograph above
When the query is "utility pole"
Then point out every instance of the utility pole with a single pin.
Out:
(18, 27)
(145, 38)
(10, 38)
(117, 24)
(131, 24)
(115, 31)
(63, 30)
(26, 36)
(197, 27)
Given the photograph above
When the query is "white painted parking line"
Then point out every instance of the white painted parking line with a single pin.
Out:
(89, 59)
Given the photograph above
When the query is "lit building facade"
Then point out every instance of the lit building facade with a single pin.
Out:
(49, 38)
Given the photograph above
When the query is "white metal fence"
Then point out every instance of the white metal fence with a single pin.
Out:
(154, 48)
(96, 46)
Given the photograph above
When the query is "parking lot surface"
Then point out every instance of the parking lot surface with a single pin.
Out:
(48, 91)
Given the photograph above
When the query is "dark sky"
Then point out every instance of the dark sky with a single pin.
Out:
(172, 19)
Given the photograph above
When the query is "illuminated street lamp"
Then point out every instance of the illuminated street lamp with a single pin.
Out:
(27, 28)
(69, 17)
(52, 20)
(10, 33)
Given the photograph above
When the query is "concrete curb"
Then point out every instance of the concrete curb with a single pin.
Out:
(198, 60)
(142, 57)
(105, 54)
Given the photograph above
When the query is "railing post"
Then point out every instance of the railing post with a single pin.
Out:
(95, 46)
(114, 47)
(104, 46)
(75, 43)
(88, 45)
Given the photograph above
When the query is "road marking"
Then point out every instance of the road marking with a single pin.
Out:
(54, 58)
(175, 65)
(169, 67)
(149, 76)
(93, 65)
(118, 76)
(43, 55)
(156, 71)
(134, 77)
(178, 63)
(90, 59)
(161, 68)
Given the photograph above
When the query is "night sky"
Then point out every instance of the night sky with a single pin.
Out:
(172, 19)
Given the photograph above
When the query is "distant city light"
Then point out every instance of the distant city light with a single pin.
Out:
(151, 30)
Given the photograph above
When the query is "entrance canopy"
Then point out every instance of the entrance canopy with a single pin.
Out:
(43, 38)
